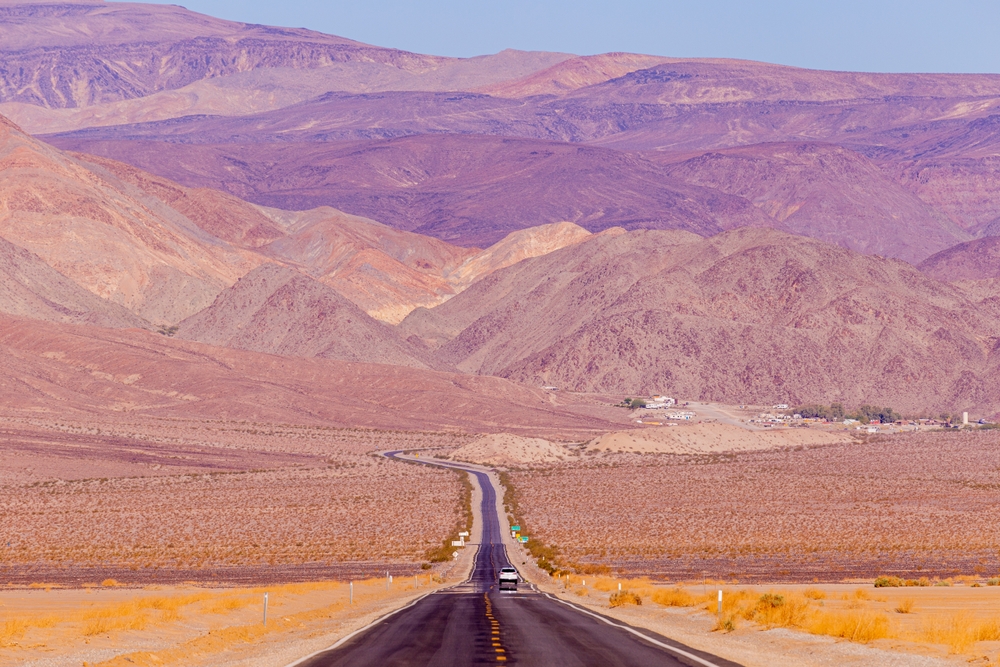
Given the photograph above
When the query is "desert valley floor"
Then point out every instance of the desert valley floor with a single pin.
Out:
(704, 326)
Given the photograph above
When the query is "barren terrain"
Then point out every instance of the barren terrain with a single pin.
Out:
(171, 501)
(911, 505)
(746, 316)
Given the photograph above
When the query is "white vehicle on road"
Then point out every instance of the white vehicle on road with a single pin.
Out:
(508, 578)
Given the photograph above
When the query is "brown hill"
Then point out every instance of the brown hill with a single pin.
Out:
(31, 288)
(746, 316)
(69, 371)
(80, 54)
(76, 64)
(268, 88)
(828, 193)
(572, 74)
(947, 164)
(468, 190)
(975, 260)
(223, 216)
(515, 247)
(385, 271)
(278, 310)
(113, 239)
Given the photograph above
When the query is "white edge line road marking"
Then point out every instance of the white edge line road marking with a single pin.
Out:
(358, 631)
(674, 649)
(668, 647)
(378, 620)
(689, 656)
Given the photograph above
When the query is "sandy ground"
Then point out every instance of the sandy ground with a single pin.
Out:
(509, 449)
(709, 438)
(107, 626)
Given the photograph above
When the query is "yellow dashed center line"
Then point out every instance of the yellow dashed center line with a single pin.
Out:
(494, 631)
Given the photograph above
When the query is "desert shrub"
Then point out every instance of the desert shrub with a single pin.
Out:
(888, 582)
(546, 556)
(857, 626)
(125, 616)
(674, 597)
(11, 630)
(623, 598)
(779, 610)
(770, 601)
(227, 605)
(814, 594)
(725, 623)
(904, 607)
(958, 631)
(444, 552)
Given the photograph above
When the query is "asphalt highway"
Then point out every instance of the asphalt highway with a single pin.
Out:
(474, 623)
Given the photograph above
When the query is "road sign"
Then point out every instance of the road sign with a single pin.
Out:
(515, 528)
(524, 539)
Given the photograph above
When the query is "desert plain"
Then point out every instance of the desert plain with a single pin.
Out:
(712, 325)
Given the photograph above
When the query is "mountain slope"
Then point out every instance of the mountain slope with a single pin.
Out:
(75, 64)
(278, 310)
(746, 316)
(975, 260)
(80, 371)
(827, 193)
(467, 190)
(111, 238)
(31, 288)
(385, 271)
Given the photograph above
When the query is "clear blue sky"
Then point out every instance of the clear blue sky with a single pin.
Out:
(872, 35)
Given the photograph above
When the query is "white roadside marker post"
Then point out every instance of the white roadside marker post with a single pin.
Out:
(720, 606)
(619, 587)
(265, 609)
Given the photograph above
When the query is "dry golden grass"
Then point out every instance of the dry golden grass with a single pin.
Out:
(673, 597)
(905, 606)
(170, 614)
(855, 626)
(958, 631)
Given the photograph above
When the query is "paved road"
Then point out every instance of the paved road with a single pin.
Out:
(475, 624)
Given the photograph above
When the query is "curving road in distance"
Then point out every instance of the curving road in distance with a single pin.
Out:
(473, 623)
